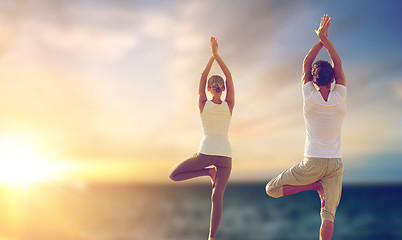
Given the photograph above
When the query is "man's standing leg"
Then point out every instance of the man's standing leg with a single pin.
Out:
(332, 191)
(326, 230)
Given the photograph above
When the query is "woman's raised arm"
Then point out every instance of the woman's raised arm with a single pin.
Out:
(230, 95)
(202, 95)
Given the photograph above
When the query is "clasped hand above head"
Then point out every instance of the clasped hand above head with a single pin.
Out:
(322, 31)
(214, 46)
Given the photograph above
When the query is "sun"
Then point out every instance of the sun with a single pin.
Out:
(20, 163)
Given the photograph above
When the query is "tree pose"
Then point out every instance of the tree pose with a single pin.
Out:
(214, 156)
(324, 110)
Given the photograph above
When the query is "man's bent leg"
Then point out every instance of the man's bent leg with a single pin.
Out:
(301, 177)
(291, 189)
(274, 187)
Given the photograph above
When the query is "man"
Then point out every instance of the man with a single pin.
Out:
(323, 109)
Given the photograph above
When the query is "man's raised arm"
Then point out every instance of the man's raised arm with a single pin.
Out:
(308, 62)
(322, 33)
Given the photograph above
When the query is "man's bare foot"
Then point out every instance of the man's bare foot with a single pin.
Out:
(212, 173)
(318, 187)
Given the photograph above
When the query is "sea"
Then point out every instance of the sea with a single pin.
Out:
(181, 212)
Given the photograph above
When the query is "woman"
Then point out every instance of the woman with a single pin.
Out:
(214, 157)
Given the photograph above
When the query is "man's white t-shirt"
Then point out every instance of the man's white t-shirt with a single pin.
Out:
(323, 121)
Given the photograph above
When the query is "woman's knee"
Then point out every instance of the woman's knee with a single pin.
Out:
(172, 175)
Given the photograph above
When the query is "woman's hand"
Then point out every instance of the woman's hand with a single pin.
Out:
(214, 46)
(322, 31)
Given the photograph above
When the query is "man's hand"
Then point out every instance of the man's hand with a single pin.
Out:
(322, 31)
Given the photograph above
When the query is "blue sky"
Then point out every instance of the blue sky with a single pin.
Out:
(114, 83)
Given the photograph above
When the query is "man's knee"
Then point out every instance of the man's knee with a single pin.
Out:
(327, 215)
(273, 191)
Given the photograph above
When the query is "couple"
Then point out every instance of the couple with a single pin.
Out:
(321, 169)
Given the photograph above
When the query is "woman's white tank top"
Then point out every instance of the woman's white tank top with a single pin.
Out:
(215, 120)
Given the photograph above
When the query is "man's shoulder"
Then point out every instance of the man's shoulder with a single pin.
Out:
(340, 90)
(308, 89)
(340, 87)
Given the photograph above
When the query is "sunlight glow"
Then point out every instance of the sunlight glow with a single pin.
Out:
(20, 163)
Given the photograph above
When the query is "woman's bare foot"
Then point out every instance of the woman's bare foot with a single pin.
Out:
(212, 173)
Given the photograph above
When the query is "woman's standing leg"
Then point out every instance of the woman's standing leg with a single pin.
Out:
(224, 166)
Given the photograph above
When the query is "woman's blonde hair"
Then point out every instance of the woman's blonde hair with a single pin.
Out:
(217, 82)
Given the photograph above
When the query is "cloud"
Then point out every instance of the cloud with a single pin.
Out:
(118, 79)
(95, 44)
(70, 31)
(112, 112)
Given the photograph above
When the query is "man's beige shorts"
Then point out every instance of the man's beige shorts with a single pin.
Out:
(328, 171)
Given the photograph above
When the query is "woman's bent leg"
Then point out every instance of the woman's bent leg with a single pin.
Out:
(196, 166)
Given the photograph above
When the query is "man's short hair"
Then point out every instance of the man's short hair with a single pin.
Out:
(325, 73)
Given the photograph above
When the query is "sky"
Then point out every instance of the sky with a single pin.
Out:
(106, 91)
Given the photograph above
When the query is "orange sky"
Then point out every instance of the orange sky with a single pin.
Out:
(107, 92)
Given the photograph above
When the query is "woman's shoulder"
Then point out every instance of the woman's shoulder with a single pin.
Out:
(226, 106)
